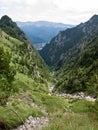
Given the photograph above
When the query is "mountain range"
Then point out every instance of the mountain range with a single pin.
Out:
(42, 31)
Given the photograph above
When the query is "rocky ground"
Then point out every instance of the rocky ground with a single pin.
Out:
(80, 95)
(34, 123)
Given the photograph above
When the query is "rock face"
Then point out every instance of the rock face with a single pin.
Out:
(55, 53)
(34, 123)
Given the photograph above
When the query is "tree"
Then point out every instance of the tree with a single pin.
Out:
(6, 75)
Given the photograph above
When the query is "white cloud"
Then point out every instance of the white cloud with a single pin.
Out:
(67, 11)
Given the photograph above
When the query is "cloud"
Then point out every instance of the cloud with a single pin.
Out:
(67, 11)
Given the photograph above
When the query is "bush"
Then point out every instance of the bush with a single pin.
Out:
(6, 76)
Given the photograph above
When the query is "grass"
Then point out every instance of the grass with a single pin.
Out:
(9, 43)
(81, 106)
(25, 83)
(15, 115)
(30, 98)
(56, 108)
(81, 117)
(52, 104)
(71, 121)
(20, 102)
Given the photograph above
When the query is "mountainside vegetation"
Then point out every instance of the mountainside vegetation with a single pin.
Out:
(6, 76)
(24, 57)
(23, 74)
(80, 73)
(29, 89)
(74, 54)
(60, 45)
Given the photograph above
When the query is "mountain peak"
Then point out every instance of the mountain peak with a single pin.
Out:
(94, 18)
(7, 21)
(11, 28)
(5, 18)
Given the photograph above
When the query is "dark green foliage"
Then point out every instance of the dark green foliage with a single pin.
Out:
(11, 28)
(6, 75)
(74, 53)
(81, 73)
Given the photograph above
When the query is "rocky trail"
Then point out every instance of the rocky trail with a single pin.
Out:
(36, 123)
(33, 123)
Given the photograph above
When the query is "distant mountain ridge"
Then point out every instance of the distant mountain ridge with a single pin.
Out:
(42, 31)
(45, 24)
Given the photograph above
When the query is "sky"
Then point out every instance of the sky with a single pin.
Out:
(64, 11)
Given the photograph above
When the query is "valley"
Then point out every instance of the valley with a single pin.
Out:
(39, 46)
(41, 32)
(53, 89)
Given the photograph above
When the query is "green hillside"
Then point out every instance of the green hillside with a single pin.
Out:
(25, 83)
(23, 76)
(24, 58)
(80, 73)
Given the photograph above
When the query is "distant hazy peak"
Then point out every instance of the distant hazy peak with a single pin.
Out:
(44, 23)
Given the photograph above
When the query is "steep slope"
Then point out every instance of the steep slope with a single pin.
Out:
(11, 28)
(42, 31)
(29, 94)
(80, 73)
(24, 57)
(66, 40)
(23, 76)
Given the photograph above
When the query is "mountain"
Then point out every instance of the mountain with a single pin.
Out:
(74, 53)
(80, 71)
(24, 57)
(23, 91)
(55, 52)
(11, 28)
(42, 31)
(26, 100)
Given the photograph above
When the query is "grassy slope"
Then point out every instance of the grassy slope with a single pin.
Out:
(80, 116)
(24, 60)
(31, 98)
(31, 94)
